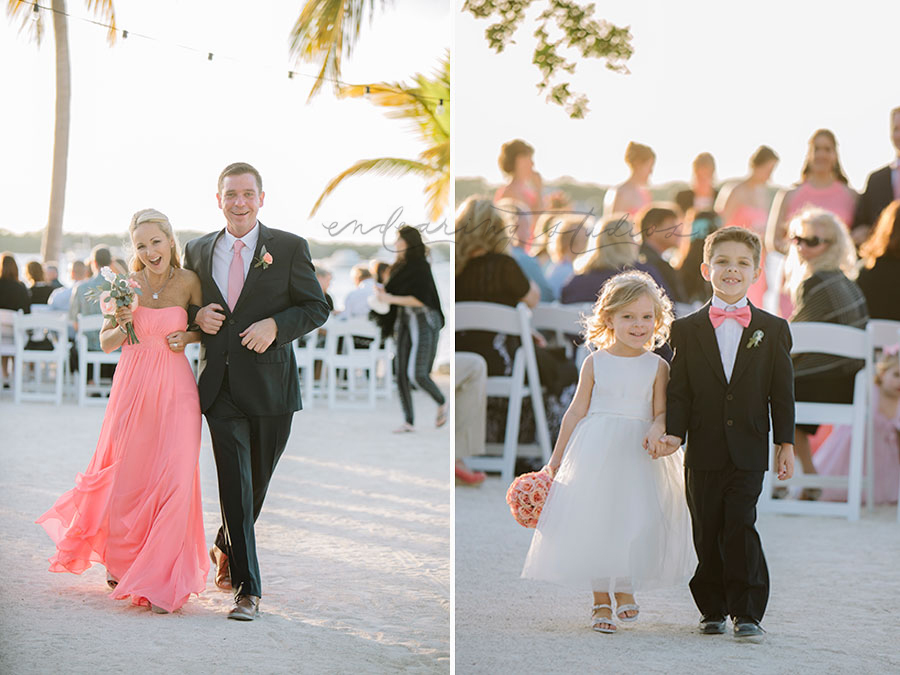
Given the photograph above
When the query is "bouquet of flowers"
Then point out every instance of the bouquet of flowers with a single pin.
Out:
(116, 291)
(526, 497)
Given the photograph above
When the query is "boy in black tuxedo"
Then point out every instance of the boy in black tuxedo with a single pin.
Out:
(731, 366)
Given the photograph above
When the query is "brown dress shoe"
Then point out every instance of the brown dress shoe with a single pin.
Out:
(246, 608)
(223, 575)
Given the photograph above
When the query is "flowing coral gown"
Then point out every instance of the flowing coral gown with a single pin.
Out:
(136, 509)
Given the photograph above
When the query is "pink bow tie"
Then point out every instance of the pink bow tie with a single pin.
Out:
(717, 316)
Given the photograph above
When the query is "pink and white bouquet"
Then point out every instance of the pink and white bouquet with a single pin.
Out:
(117, 290)
(527, 495)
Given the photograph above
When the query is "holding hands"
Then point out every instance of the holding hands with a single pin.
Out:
(663, 445)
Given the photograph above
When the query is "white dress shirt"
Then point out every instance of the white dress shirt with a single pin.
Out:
(223, 253)
(728, 334)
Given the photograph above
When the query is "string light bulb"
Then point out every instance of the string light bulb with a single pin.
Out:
(124, 34)
(368, 90)
(440, 107)
(35, 13)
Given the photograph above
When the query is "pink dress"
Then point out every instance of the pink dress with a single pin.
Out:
(136, 509)
(753, 219)
(833, 457)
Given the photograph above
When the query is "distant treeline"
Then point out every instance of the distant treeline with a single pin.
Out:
(30, 244)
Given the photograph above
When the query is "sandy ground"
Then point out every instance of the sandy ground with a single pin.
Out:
(833, 608)
(354, 546)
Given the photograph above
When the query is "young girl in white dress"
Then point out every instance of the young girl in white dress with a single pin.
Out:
(616, 520)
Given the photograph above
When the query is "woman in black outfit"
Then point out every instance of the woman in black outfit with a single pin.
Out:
(416, 318)
(13, 295)
(880, 277)
(39, 290)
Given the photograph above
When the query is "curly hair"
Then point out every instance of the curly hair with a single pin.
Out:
(840, 254)
(480, 228)
(885, 237)
(616, 293)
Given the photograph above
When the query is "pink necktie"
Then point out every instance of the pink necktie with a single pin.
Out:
(717, 316)
(235, 275)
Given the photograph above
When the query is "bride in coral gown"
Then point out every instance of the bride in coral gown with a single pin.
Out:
(136, 509)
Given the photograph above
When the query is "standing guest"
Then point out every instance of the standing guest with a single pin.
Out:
(633, 195)
(357, 301)
(416, 313)
(568, 241)
(525, 186)
(471, 413)
(879, 278)
(701, 195)
(819, 273)
(612, 251)
(882, 187)
(61, 298)
(660, 233)
(747, 205)
(731, 371)
(261, 294)
(51, 274)
(696, 288)
(38, 289)
(324, 276)
(514, 214)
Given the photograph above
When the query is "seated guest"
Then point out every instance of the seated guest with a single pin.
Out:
(882, 187)
(324, 276)
(61, 298)
(38, 289)
(569, 239)
(819, 273)
(611, 251)
(357, 301)
(879, 278)
(660, 232)
(13, 293)
(514, 214)
(100, 258)
(696, 290)
(471, 413)
(51, 275)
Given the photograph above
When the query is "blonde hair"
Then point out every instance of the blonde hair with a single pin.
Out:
(613, 248)
(561, 230)
(161, 221)
(889, 359)
(636, 153)
(840, 254)
(616, 293)
(480, 228)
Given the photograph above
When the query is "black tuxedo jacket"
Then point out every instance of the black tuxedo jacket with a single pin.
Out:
(287, 291)
(722, 419)
(878, 194)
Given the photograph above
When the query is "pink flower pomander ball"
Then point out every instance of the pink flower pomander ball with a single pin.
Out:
(527, 495)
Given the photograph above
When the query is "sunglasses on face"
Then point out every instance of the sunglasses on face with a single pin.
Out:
(812, 242)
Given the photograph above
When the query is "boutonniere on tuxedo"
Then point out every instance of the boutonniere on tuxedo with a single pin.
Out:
(755, 339)
(265, 258)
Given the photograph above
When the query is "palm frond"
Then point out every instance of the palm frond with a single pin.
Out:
(385, 166)
(30, 22)
(105, 10)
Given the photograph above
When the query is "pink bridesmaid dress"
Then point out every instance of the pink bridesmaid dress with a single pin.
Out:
(136, 509)
(753, 219)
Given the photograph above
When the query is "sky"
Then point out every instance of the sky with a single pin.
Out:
(722, 77)
(152, 125)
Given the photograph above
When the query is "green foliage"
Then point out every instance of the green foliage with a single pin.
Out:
(562, 25)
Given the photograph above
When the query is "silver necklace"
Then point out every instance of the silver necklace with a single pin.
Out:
(150, 286)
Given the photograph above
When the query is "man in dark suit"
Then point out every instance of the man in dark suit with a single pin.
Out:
(882, 187)
(731, 366)
(659, 230)
(260, 293)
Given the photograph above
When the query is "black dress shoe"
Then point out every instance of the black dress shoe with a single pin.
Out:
(748, 629)
(712, 625)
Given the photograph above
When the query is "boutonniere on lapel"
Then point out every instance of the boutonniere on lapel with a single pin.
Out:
(755, 339)
(265, 258)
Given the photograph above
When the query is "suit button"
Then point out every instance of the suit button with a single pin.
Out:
(729, 397)
(730, 423)
(230, 322)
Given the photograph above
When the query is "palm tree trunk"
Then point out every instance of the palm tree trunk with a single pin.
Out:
(51, 246)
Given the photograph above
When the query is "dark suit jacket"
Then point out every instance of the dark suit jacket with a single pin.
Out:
(878, 194)
(730, 419)
(287, 291)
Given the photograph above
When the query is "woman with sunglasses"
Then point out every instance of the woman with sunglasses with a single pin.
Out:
(819, 273)
(823, 185)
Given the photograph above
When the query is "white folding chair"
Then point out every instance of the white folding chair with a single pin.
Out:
(55, 329)
(192, 353)
(7, 336)
(562, 320)
(836, 340)
(88, 323)
(384, 369)
(881, 333)
(497, 318)
(343, 354)
(307, 355)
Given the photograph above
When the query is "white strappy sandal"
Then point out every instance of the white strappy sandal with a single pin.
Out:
(630, 607)
(598, 621)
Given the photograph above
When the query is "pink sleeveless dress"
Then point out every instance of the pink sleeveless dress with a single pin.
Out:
(136, 509)
(753, 219)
